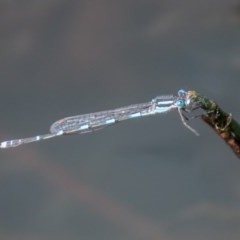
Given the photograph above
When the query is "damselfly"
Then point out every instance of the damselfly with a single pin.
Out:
(94, 121)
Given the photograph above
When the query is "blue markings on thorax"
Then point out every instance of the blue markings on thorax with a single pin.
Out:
(163, 103)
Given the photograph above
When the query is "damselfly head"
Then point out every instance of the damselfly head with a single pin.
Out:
(180, 103)
(182, 93)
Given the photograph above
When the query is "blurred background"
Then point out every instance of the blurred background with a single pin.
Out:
(148, 178)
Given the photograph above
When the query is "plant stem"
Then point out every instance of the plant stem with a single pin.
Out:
(221, 122)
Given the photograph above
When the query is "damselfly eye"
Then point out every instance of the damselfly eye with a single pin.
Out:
(182, 92)
(180, 103)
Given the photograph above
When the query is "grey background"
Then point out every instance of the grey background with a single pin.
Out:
(149, 178)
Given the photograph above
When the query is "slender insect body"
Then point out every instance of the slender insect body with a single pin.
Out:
(95, 121)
